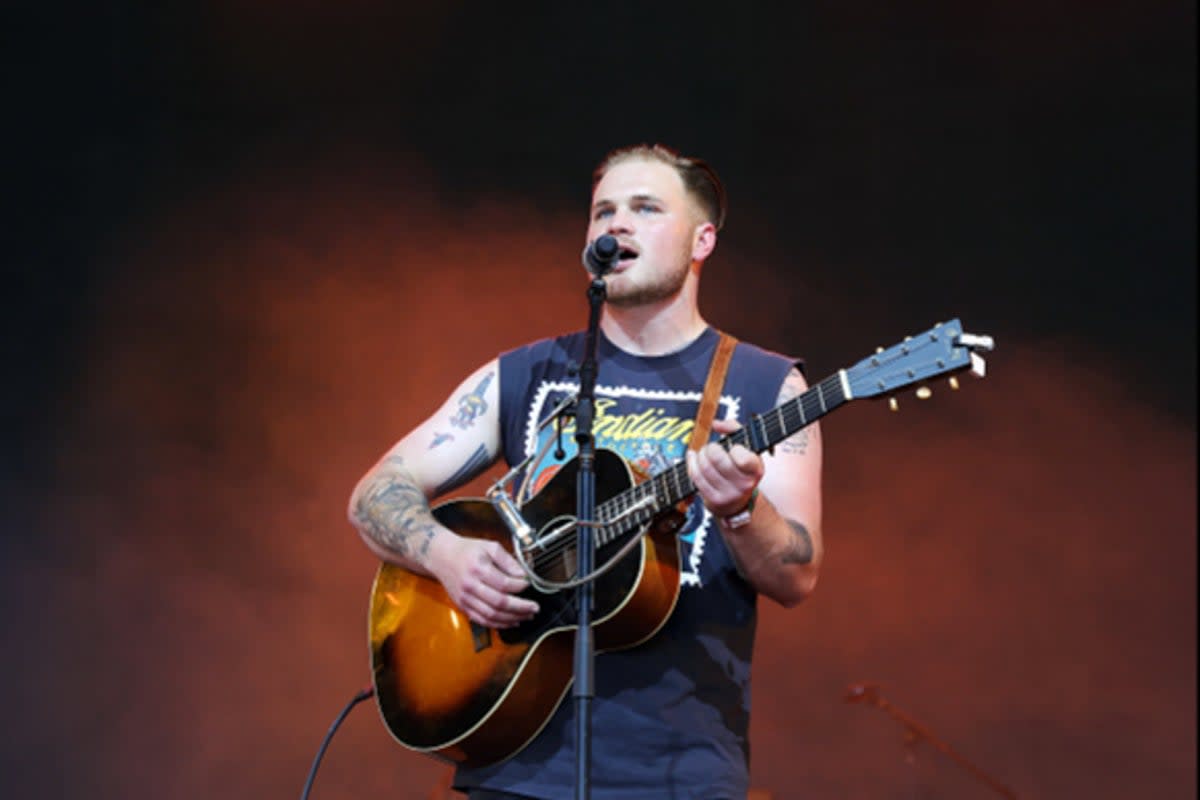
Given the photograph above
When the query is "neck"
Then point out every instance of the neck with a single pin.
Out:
(658, 328)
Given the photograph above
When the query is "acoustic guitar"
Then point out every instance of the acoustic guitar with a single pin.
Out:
(473, 695)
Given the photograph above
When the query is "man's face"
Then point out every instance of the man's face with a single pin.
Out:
(645, 206)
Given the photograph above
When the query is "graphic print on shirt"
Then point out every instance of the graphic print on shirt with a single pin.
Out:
(648, 428)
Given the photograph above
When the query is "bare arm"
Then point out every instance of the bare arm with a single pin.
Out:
(390, 504)
(779, 552)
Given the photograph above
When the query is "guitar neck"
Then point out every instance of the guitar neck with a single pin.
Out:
(640, 504)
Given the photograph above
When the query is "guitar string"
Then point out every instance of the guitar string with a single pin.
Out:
(798, 406)
(793, 412)
(803, 409)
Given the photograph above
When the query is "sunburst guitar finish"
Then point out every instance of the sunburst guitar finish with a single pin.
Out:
(474, 695)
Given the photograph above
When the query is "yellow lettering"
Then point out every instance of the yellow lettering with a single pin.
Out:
(648, 424)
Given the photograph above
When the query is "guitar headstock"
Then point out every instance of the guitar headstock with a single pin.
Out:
(944, 349)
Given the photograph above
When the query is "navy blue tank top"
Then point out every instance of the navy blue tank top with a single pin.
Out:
(670, 717)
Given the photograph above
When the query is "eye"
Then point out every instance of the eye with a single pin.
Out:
(601, 213)
(646, 208)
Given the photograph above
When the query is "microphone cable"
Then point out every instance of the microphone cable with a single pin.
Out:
(312, 773)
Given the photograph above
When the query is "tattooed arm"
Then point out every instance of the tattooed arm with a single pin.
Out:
(779, 551)
(390, 504)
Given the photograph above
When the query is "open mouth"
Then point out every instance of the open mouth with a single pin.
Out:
(627, 254)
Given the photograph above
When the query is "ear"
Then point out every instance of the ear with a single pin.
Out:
(704, 241)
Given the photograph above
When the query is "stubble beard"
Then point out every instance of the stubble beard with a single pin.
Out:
(663, 287)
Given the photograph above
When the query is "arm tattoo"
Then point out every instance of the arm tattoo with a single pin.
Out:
(477, 461)
(800, 548)
(471, 405)
(793, 387)
(796, 444)
(394, 512)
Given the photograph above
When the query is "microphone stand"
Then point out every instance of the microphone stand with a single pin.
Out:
(585, 508)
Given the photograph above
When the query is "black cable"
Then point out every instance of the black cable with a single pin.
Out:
(312, 773)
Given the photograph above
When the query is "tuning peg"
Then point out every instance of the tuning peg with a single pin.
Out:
(893, 404)
(953, 382)
(924, 393)
(976, 341)
(978, 366)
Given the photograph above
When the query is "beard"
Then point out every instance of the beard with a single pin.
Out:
(624, 292)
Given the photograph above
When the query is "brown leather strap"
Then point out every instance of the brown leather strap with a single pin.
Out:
(712, 391)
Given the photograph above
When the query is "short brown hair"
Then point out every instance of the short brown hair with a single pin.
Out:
(699, 179)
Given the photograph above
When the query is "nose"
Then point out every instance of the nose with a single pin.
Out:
(620, 222)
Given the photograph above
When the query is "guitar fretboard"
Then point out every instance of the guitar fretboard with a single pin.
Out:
(639, 504)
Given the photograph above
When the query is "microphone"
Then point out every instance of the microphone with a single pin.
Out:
(601, 255)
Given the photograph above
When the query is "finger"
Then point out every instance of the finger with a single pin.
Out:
(726, 425)
(490, 617)
(722, 485)
(506, 562)
(717, 463)
(696, 472)
(503, 582)
(735, 464)
(717, 476)
(746, 462)
(503, 601)
(495, 618)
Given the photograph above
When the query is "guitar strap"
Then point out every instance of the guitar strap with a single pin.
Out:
(712, 391)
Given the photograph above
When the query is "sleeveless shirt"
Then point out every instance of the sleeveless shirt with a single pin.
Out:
(670, 716)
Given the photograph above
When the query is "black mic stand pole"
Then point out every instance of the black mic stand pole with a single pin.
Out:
(585, 509)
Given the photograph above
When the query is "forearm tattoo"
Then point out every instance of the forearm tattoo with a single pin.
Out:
(800, 547)
(393, 511)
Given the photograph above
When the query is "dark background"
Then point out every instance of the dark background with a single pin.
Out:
(250, 243)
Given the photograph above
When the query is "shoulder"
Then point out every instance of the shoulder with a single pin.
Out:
(552, 348)
(757, 357)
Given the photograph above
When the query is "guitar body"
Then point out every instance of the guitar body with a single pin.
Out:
(473, 695)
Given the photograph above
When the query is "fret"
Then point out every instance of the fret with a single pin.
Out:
(833, 387)
(816, 407)
(758, 434)
(683, 484)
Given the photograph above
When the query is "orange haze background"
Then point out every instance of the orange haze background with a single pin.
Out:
(1013, 564)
